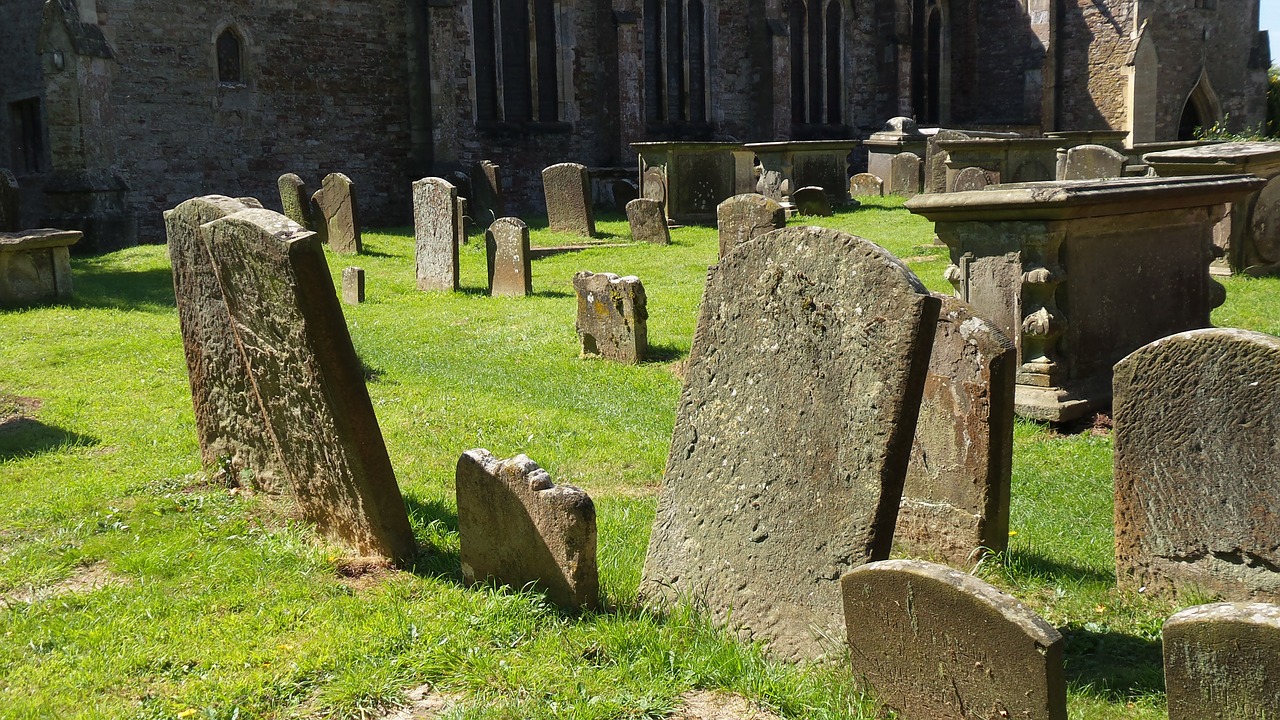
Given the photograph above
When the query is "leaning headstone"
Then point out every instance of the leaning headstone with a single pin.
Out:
(648, 221)
(353, 285)
(793, 434)
(811, 201)
(507, 248)
(743, 218)
(8, 202)
(906, 173)
(955, 503)
(866, 185)
(1222, 661)
(295, 199)
(309, 383)
(516, 527)
(334, 207)
(567, 187)
(613, 317)
(971, 178)
(1197, 465)
(487, 203)
(933, 642)
(435, 229)
(1092, 162)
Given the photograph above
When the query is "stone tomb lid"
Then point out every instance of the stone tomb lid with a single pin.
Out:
(38, 239)
(1240, 157)
(1000, 142)
(1070, 199)
(686, 145)
(802, 145)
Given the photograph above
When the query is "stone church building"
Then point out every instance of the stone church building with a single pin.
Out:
(114, 110)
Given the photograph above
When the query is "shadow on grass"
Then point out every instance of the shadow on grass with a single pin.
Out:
(99, 287)
(561, 294)
(433, 561)
(23, 437)
(1112, 665)
(1028, 564)
(364, 252)
(663, 353)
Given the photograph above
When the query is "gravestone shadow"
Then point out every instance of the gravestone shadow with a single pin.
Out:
(22, 436)
(1114, 665)
(433, 561)
(97, 286)
(663, 353)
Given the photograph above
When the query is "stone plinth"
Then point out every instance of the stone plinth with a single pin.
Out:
(1250, 235)
(692, 178)
(1080, 274)
(788, 166)
(35, 266)
(899, 135)
(1006, 160)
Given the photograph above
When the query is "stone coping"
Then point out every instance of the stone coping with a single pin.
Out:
(1001, 143)
(1223, 154)
(689, 145)
(801, 145)
(1114, 139)
(38, 239)
(1069, 199)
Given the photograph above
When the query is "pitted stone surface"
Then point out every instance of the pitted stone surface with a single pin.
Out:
(1222, 662)
(792, 435)
(938, 644)
(295, 199)
(812, 201)
(435, 229)
(333, 207)
(507, 247)
(567, 187)
(648, 221)
(743, 218)
(487, 203)
(1093, 162)
(613, 316)
(906, 174)
(972, 178)
(1197, 465)
(309, 383)
(517, 527)
(955, 504)
(8, 202)
(866, 185)
(353, 285)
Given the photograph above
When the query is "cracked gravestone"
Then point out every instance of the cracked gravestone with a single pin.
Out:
(333, 208)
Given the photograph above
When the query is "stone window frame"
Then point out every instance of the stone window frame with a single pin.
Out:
(532, 89)
(931, 86)
(818, 98)
(246, 66)
(677, 74)
(28, 151)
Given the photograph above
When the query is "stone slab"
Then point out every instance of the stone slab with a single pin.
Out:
(743, 218)
(295, 199)
(333, 206)
(435, 229)
(487, 199)
(866, 185)
(1092, 162)
(353, 285)
(507, 250)
(648, 221)
(1222, 662)
(906, 168)
(613, 316)
(567, 187)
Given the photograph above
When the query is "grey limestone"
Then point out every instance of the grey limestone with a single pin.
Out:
(648, 221)
(435, 229)
(507, 251)
(567, 187)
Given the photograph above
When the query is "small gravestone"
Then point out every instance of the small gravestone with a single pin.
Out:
(295, 199)
(567, 188)
(507, 247)
(866, 185)
(1197, 465)
(955, 503)
(972, 178)
(435, 229)
(309, 383)
(812, 201)
(648, 221)
(353, 285)
(1092, 162)
(792, 435)
(936, 158)
(8, 202)
(933, 642)
(333, 206)
(1222, 662)
(487, 199)
(516, 527)
(743, 218)
(612, 316)
(906, 175)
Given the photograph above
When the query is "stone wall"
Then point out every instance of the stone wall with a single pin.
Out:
(21, 79)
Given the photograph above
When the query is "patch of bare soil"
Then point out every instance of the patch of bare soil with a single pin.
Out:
(362, 573)
(85, 579)
(14, 408)
(706, 705)
(424, 704)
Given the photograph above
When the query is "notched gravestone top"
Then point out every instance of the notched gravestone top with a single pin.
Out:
(743, 218)
(866, 185)
(792, 434)
(516, 527)
(812, 201)
(613, 316)
(567, 187)
(295, 199)
(1197, 465)
(507, 248)
(938, 644)
(436, 224)
(333, 207)
(1222, 662)
(648, 221)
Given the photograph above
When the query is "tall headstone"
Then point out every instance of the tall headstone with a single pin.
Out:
(1197, 465)
(743, 218)
(1092, 162)
(937, 643)
(648, 221)
(906, 174)
(435, 229)
(334, 207)
(516, 527)
(507, 248)
(295, 199)
(353, 285)
(487, 202)
(8, 202)
(866, 185)
(812, 201)
(955, 504)
(567, 187)
(613, 316)
(792, 435)
(308, 381)
(1222, 662)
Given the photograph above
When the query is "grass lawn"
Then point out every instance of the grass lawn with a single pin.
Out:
(133, 587)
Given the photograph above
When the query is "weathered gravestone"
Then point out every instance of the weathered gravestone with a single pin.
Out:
(1197, 465)
(648, 221)
(866, 185)
(333, 208)
(743, 218)
(507, 248)
(567, 187)
(1092, 162)
(935, 160)
(938, 644)
(1222, 662)
(792, 435)
(295, 199)
(308, 382)
(955, 503)
(516, 527)
(435, 229)
(35, 266)
(972, 178)
(613, 317)
(811, 201)
(906, 175)
(8, 202)
(251, 202)
(487, 203)
(353, 285)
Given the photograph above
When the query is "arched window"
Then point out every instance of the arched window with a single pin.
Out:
(516, 71)
(927, 60)
(675, 61)
(817, 54)
(230, 51)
